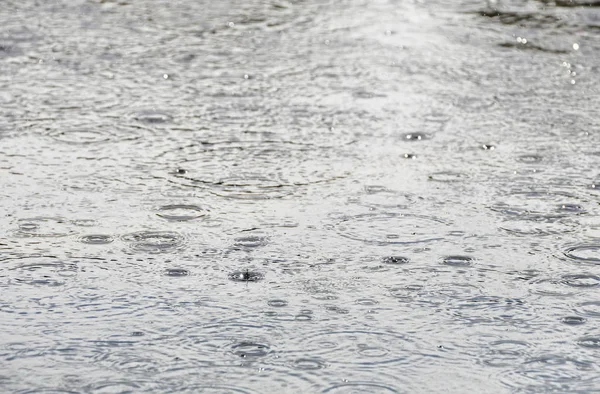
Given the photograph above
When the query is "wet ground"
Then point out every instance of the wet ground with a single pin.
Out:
(299, 196)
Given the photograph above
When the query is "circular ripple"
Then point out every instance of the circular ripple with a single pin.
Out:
(539, 204)
(152, 117)
(254, 169)
(505, 353)
(176, 272)
(415, 137)
(589, 342)
(89, 133)
(44, 227)
(378, 196)
(581, 280)
(395, 260)
(589, 309)
(530, 159)
(308, 364)
(458, 261)
(250, 241)
(96, 239)
(589, 254)
(246, 276)
(388, 228)
(154, 241)
(250, 350)
(447, 177)
(359, 347)
(181, 212)
(360, 387)
(277, 303)
(46, 271)
(539, 225)
(573, 320)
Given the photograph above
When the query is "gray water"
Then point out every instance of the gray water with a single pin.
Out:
(340, 196)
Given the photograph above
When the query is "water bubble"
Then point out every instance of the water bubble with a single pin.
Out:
(576, 46)
(488, 147)
(411, 156)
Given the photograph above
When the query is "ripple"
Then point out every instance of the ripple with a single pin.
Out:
(42, 271)
(415, 137)
(277, 303)
(389, 228)
(308, 364)
(549, 287)
(395, 260)
(154, 241)
(359, 347)
(458, 261)
(181, 212)
(530, 159)
(44, 227)
(176, 272)
(589, 308)
(250, 350)
(581, 280)
(96, 239)
(246, 276)
(589, 254)
(378, 196)
(539, 203)
(152, 117)
(360, 387)
(447, 177)
(91, 133)
(539, 225)
(506, 353)
(589, 342)
(255, 169)
(573, 320)
(250, 241)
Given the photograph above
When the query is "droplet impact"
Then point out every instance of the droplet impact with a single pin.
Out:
(395, 260)
(246, 276)
(181, 212)
(573, 320)
(250, 241)
(589, 342)
(415, 137)
(589, 254)
(581, 280)
(154, 241)
(96, 239)
(250, 350)
(177, 272)
(308, 364)
(277, 303)
(529, 159)
(458, 261)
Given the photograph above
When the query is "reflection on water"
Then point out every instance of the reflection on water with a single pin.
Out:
(215, 196)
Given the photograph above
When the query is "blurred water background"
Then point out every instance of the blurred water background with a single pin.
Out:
(302, 196)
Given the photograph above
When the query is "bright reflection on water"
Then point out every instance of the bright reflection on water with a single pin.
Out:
(215, 196)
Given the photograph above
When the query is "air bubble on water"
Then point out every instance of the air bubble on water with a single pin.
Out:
(576, 46)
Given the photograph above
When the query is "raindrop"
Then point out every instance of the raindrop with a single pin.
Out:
(395, 260)
(415, 136)
(250, 350)
(181, 212)
(458, 261)
(177, 272)
(573, 320)
(589, 342)
(277, 303)
(246, 276)
(96, 239)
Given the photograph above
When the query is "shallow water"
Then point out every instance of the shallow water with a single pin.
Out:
(299, 196)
